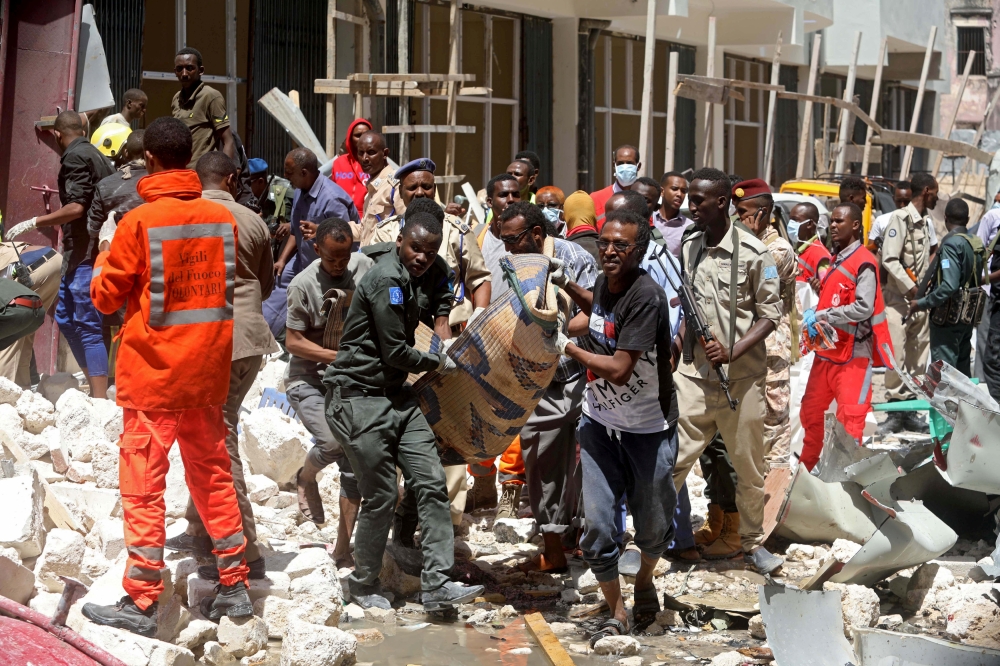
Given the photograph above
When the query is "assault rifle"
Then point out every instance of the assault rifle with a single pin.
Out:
(693, 316)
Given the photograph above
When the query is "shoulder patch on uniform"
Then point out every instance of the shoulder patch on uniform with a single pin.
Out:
(375, 182)
(463, 227)
(892, 233)
(770, 273)
(946, 263)
(395, 296)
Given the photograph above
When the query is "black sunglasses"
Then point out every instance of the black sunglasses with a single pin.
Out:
(510, 240)
(620, 247)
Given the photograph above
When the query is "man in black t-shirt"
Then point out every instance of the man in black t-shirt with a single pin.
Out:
(628, 431)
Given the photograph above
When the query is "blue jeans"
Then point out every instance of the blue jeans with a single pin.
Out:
(683, 534)
(637, 468)
(80, 322)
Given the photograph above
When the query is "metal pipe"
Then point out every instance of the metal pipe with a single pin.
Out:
(65, 634)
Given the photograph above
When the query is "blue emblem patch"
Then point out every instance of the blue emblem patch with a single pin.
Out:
(946, 263)
(395, 296)
(770, 273)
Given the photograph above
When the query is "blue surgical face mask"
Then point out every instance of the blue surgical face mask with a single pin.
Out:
(626, 174)
(551, 214)
(793, 230)
(996, 204)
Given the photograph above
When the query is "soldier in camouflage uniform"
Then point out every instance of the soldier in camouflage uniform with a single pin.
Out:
(274, 196)
(754, 205)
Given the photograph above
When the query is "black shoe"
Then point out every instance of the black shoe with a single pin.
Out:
(124, 615)
(450, 594)
(913, 423)
(257, 572)
(368, 596)
(185, 543)
(231, 600)
(764, 562)
(403, 529)
(894, 423)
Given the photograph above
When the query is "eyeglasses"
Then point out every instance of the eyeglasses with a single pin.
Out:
(510, 240)
(620, 247)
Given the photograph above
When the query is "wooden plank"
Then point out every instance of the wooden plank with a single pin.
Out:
(904, 169)
(949, 147)
(455, 18)
(800, 164)
(413, 78)
(845, 116)
(834, 101)
(709, 129)
(776, 485)
(431, 129)
(954, 113)
(706, 92)
(539, 628)
(733, 83)
(475, 90)
(867, 158)
(343, 16)
(450, 180)
(330, 105)
(668, 153)
(979, 135)
(345, 87)
(592, 609)
(772, 104)
(855, 153)
(646, 115)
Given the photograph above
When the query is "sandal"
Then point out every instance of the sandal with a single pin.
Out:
(610, 627)
(310, 502)
(645, 608)
(684, 554)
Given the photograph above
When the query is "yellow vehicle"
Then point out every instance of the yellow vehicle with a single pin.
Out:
(828, 189)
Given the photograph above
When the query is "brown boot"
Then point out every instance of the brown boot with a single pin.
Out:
(483, 494)
(728, 544)
(310, 502)
(510, 500)
(709, 531)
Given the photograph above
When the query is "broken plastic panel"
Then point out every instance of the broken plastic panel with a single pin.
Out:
(972, 460)
(945, 387)
(876, 647)
(805, 628)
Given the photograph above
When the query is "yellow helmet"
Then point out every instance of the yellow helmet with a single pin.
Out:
(110, 138)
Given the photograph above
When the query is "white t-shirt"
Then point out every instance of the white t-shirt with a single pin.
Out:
(115, 118)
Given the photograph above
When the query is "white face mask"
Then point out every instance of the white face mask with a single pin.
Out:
(551, 214)
(626, 174)
(793, 230)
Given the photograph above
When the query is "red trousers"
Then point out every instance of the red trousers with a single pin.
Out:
(511, 465)
(851, 385)
(142, 472)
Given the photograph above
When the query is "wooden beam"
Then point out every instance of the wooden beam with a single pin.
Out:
(845, 116)
(450, 180)
(954, 114)
(668, 153)
(403, 67)
(706, 92)
(949, 147)
(732, 83)
(474, 90)
(342, 16)
(837, 102)
(873, 109)
(431, 129)
(904, 171)
(455, 18)
(706, 156)
(539, 628)
(979, 132)
(772, 103)
(412, 78)
(646, 117)
(800, 165)
(385, 89)
(331, 73)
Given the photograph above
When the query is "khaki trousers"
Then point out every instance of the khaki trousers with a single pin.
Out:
(15, 361)
(704, 411)
(910, 345)
(458, 489)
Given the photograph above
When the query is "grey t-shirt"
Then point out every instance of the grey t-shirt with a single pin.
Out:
(305, 299)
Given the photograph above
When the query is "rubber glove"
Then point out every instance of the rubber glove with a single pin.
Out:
(809, 319)
(446, 365)
(557, 272)
(21, 228)
(108, 229)
(475, 313)
(446, 345)
(556, 343)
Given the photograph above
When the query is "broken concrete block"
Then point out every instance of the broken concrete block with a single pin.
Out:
(80, 472)
(16, 581)
(64, 513)
(889, 621)
(730, 659)
(181, 567)
(215, 655)
(53, 386)
(584, 580)
(397, 581)
(926, 582)
(313, 645)
(282, 500)
(94, 566)
(320, 584)
(388, 616)
(62, 556)
(198, 632)
(46, 473)
(316, 611)
(670, 618)
(10, 428)
(974, 618)
(798, 552)
(10, 554)
(260, 488)
(137, 650)
(35, 447)
(757, 629)
(262, 658)
(97, 502)
(110, 417)
(307, 561)
(22, 518)
(45, 603)
(354, 612)
(367, 636)
(275, 612)
(843, 550)
(514, 530)
(171, 616)
(617, 645)
(629, 661)
(242, 637)
(570, 596)
(104, 458)
(36, 412)
(858, 604)
(9, 391)
(273, 444)
(110, 534)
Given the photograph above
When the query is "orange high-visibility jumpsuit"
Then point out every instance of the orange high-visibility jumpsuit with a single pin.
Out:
(173, 260)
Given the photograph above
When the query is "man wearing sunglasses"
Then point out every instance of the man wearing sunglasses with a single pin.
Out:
(201, 108)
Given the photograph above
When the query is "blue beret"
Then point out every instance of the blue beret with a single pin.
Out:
(419, 164)
(256, 165)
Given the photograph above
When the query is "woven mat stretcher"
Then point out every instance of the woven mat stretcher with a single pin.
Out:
(503, 366)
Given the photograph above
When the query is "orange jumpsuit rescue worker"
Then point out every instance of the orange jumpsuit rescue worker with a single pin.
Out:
(173, 260)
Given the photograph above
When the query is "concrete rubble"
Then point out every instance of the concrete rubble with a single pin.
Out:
(63, 517)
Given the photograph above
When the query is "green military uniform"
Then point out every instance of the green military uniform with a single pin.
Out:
(276, 208)
(379, 420)
(959, 264)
